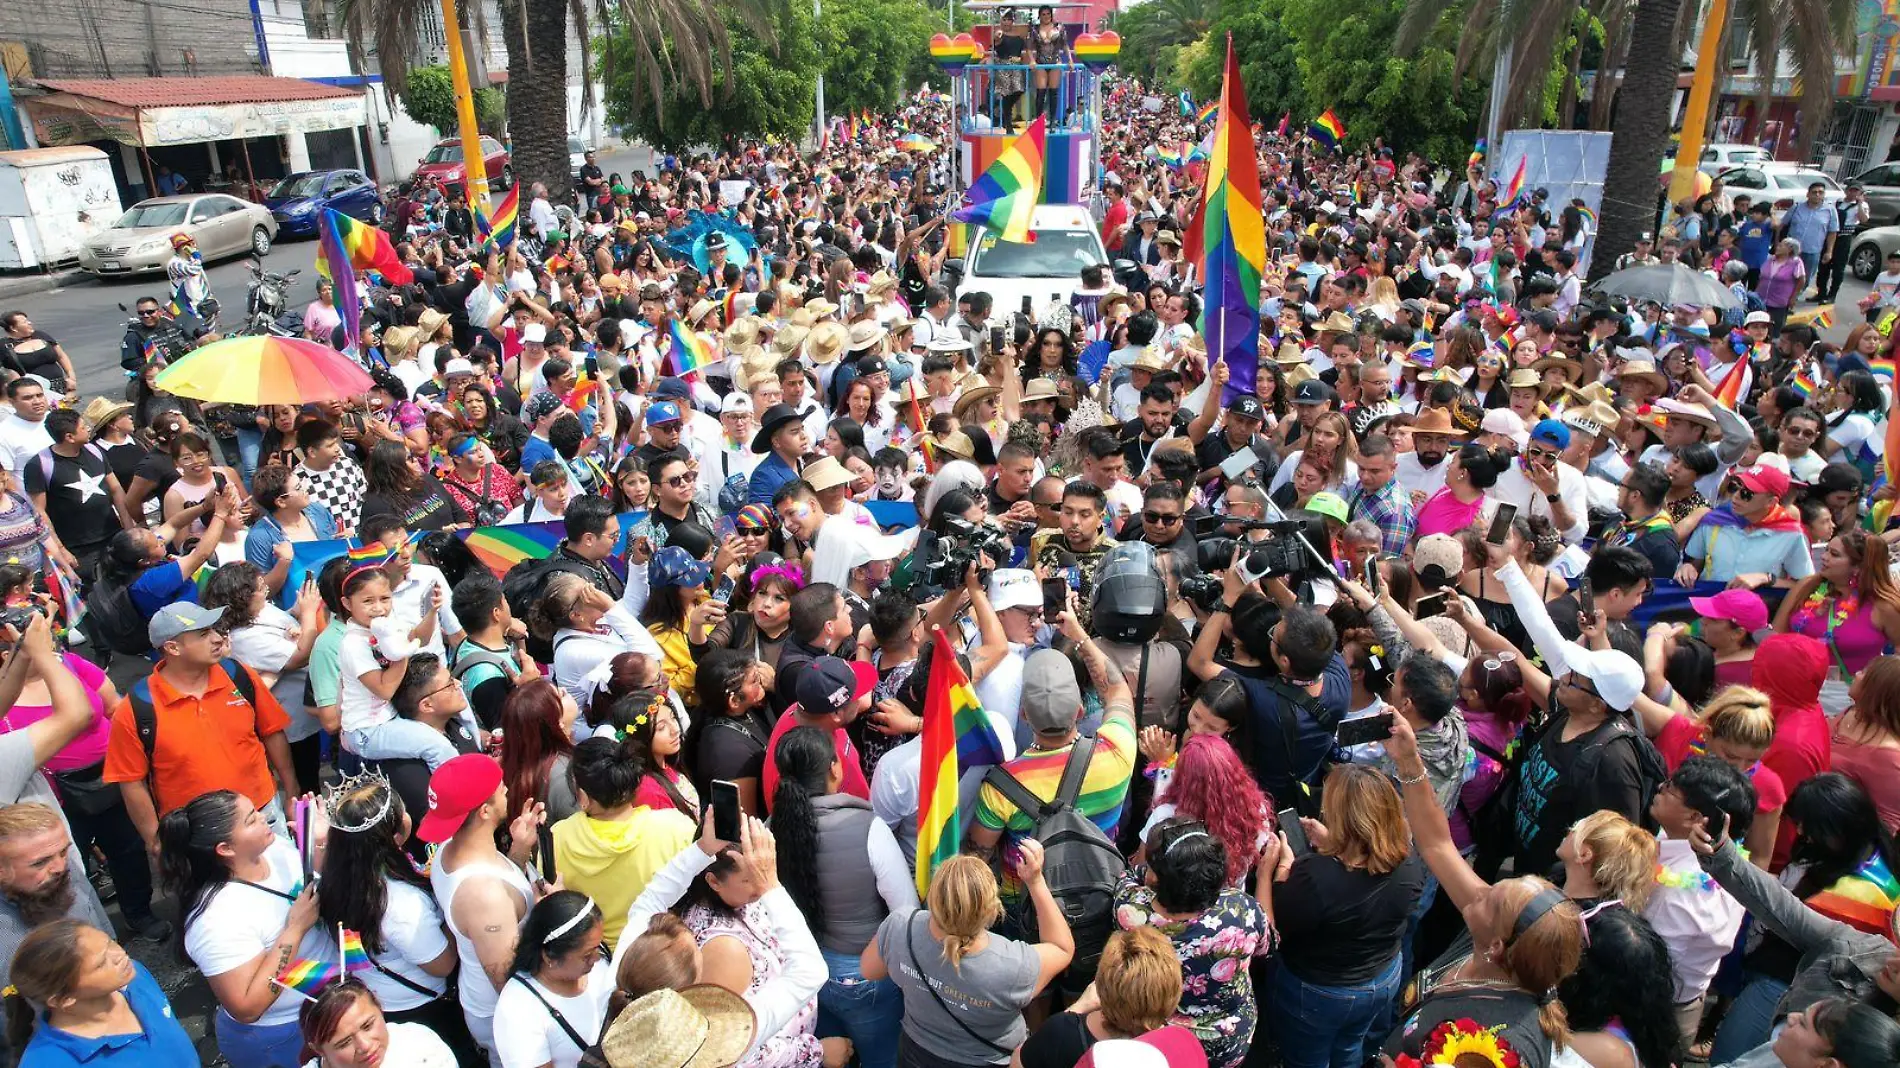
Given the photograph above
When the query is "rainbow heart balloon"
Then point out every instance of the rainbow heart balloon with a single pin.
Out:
(955, 53)
(1097, 50)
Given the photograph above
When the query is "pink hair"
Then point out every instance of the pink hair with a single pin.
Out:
(1211, 785)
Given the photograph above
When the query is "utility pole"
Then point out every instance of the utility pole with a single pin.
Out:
(818, 113)
(1695, 116)
(473, 163)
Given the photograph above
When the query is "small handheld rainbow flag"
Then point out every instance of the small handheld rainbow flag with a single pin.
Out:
(1822, 319)
(1477, 154)
(1286, 119)
(690, 351)
(1729, 390)
(500, 231)
(1327, 129)
(957, 734)
(307, 976)
(373, 553)
(1004, 198)
(1804, 384)
(1515, 188)
(355, 957)
(1207, 113)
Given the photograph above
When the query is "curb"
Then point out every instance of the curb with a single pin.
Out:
(26, 284)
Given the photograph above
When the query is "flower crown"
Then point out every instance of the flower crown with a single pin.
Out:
(791, 573)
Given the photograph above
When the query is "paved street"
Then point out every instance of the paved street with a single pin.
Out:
(84, 314)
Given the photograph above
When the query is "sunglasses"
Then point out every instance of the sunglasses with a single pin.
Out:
(1498, 661)
(1742, 493)
(1161, 519)
(1540, 454)
(682, 481)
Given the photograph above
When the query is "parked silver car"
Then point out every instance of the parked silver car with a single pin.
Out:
(1882, 187)
(141, 240)
(1868, 254)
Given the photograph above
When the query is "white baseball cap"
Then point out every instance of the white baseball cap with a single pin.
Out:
(1015, 587)
(735, 402)
(1505, 421)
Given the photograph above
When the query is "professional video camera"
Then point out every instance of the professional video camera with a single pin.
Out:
(941, 560)
(1292, 549)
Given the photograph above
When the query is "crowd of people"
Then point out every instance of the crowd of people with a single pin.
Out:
(1505, 679)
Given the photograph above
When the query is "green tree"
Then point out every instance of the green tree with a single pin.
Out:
(1269, 64)
(765, 93)
(875, 52)
(431, 102)
(1346, 63)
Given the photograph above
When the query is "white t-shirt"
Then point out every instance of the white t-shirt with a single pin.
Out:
(411, 1045)
(238, 922)
(411, 601)
(412, 936)
(527, 1036)
(1001, 691)
(21, 440)
(576, 653)
(357, 707)
(265, 646)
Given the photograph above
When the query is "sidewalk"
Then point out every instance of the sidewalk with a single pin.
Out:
(20, 285)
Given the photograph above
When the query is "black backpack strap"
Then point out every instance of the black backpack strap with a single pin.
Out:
(1075, 769)
(1016, 793)
(1295, 701)
(241, 678)
(572, 1035)
(144, 718)
(413, 986)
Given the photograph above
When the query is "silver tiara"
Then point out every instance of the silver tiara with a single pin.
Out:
(333, 801)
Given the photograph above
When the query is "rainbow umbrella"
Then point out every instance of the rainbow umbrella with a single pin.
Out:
(264, 370)
(916, 143)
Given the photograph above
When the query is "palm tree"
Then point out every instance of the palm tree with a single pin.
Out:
(668, 42)
(1642, 129)
(1528, 30)
(1813, 32)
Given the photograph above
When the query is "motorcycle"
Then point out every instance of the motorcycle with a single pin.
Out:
(266, 304)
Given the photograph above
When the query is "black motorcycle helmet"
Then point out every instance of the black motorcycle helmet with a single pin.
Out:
(1130, 599)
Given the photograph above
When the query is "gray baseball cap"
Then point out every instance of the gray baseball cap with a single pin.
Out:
(1051, 699)
(181, 618)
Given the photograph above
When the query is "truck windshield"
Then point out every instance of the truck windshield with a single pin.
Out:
(1054, 254)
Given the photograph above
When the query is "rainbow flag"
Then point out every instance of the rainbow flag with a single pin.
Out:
(1327, 130)
(1825, 318)
(690, 351)
(1804, 384)
(1477, 154)
(373, 553)
(363, 247)
(1864, 900)
(957, 734)
(1589, 217)
(500, 548)
(1286, 119)
(1206, 113)
(1515, 188)
(1004, 198)
(307, 976)
(1227, 241)
(355, 957)
(1729, 389)
(1882, 367)
(500, 231)
(333, 262)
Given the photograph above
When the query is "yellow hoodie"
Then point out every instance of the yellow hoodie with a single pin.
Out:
(611, 861)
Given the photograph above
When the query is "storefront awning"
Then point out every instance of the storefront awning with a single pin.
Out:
(151, 112)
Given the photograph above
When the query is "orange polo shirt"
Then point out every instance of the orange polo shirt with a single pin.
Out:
(213, 741)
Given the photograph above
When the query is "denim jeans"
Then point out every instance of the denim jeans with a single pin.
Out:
(397, 739)
(1750, 1019)
(1326, 1026)
(868, 1012)
(250, 441)
(251, 1046)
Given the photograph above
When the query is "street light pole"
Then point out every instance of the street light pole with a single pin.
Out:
(473, 163)
(818, 129)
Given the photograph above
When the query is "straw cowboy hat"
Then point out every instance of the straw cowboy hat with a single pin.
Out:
(1590, 394)
(742, 334)
(100, 412)
(399, 341)
(1150, 359)
(1436, 421)
(970, 398)
(882, 282)
(1694, 413)
(827, 342)
(1338, 323)
(1524, 378)
(820, 308)
(1038, 389)
(1290, 354)
(1573, 370)
(1597, 418)
(802, 317)
(825, 473)
(957, 444)
(703, 1026)
(865, 334)
(431, 322)
(788, 339)
(1645, 370)
(1301, 372)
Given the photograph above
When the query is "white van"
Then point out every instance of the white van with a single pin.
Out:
(1047, 271)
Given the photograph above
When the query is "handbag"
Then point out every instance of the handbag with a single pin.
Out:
(488, 511)
(87, 790)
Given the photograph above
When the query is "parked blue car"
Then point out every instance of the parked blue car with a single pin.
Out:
(298, 201)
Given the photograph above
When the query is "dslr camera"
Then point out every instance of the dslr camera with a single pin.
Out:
(941, 560)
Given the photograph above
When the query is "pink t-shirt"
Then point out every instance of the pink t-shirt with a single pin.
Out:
(1445, 514)
(87, 749)
(854, 781)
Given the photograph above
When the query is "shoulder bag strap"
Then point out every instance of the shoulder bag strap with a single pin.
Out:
(572, 1035)
(910, 943)
(410, 983)
(1075, 769)
(1012, 788)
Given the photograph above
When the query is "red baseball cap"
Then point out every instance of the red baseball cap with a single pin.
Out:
(458, 788)
(1763, 478)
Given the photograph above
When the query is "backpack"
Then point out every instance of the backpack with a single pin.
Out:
(113, 619)
(145, 714)
(1080, 863)
(523, 585)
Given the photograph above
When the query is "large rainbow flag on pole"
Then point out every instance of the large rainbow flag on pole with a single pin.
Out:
(501, 229)
(333, 263)
(957, 734)
(363, 247)
(1515, 188)
(1227, 241)
(1004, 198)
(1327, 129)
